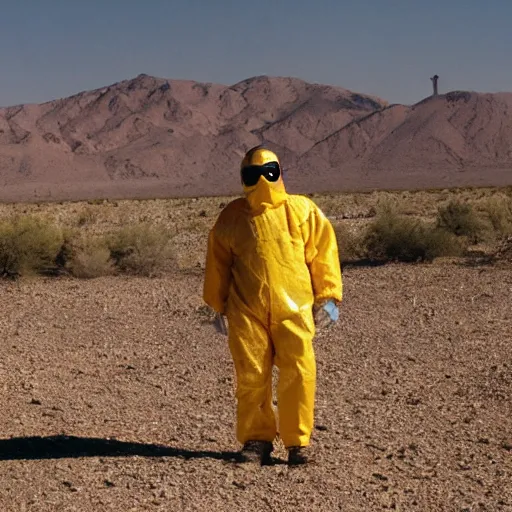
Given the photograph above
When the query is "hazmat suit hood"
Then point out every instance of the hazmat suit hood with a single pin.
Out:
(266, 193)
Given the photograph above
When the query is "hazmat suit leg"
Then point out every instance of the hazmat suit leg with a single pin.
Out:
(252, 353)
(295, 358)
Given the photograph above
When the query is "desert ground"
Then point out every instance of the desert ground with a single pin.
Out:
(117, 394)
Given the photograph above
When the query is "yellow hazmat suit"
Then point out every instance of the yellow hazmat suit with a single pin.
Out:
(271, 256)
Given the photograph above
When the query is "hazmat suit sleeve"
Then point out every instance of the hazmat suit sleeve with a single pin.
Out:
(322, 256)
(218, 270)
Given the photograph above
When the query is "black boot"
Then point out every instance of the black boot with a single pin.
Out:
(298, 455)
(257, 451)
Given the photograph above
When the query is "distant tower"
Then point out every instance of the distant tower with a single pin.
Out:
(434, 79)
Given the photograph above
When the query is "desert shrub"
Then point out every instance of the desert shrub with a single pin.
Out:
(350, 245)
(499, 212)
(69, 235)
(462, 220)
(440, 243)
(87, 216)
(142, 249)
(87, 257)
(91, 261)
(398, 238)
(28, 245)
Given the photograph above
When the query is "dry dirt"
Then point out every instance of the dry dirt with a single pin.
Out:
(117, 395)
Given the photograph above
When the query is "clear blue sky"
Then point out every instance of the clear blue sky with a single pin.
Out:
(390, 48)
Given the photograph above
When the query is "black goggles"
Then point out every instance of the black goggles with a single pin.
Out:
(252, 173)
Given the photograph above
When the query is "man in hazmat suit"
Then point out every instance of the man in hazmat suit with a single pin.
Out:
(272, 269)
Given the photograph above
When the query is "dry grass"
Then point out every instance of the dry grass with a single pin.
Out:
(28, 245)
(499, 213)
(394, 237)
(461, 219)
(142, 249)
(88, 257)
(350, 245)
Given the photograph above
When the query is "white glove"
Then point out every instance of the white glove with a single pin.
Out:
(326, 314)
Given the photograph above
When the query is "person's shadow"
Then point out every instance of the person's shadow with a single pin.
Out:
(62, 446)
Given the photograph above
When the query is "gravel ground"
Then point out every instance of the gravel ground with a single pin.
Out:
(118, 395)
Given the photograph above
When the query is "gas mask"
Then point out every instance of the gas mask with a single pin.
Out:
(263, 185)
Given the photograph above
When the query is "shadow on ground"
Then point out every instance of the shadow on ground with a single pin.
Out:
(59, 447)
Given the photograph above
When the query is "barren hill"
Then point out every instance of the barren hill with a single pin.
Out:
(151, 137)
(457, 139)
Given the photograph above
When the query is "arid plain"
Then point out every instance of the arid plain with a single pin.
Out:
(117, 394)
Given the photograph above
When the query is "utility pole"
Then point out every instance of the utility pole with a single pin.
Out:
(434, 79)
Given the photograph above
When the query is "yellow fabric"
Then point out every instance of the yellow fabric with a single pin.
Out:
(265, 194)
(259, 156)
(265, 268)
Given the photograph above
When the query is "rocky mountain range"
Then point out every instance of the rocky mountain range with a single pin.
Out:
(153, 137)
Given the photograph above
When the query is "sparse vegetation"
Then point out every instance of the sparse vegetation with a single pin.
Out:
(28, 245)
(89, 258)
(90, 238)
(350, 245)
(142, 249)
(88, 216)
(394, 237)
(499, 212)
(461, 219)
